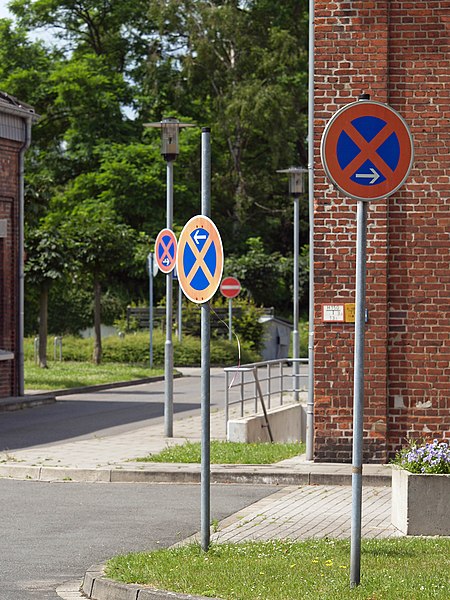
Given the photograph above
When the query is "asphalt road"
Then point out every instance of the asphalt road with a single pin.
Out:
(52, 532)
(110, 412)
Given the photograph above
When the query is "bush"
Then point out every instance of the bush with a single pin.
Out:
(74, 348)
(246, 323)
(135, 349)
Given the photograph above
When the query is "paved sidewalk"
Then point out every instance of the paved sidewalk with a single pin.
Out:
(110, 457)
(314, 499)
(310, 511)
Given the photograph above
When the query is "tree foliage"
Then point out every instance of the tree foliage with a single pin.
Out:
(97, 71)
(47, 258)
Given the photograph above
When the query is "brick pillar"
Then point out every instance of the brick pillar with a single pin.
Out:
(419, 232)
(351, 57)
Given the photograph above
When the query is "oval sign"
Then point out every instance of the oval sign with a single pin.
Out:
(166, 250)
(199, 259)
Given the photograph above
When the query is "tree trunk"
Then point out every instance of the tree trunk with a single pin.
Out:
(43, 325)
(97, 357)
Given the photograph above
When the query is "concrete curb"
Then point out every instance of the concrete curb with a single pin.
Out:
(106, 386)
(33, 399)
(98, 587)
(27, 401)
(374, 475)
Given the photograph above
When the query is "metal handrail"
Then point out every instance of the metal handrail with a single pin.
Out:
(276, 381)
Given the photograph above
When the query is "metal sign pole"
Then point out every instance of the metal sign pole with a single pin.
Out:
(205, 360)
(180, 313)
(358, 396)
(150, 321)
(230, 319)
(310, 400)
(295, 335)
(373, 175)
(168, 348)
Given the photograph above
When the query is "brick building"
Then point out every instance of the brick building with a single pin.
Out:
(398, 52)
(15, 128)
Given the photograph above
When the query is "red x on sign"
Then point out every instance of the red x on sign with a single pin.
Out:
(367, 150)
(166, 250)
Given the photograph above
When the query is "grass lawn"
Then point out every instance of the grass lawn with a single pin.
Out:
(228, 453)
(67, 374)
(395, 569)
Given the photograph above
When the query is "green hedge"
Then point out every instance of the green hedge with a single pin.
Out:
(134, 349)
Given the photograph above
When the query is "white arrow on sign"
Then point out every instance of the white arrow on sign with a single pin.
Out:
(373, 175)
(198, 236)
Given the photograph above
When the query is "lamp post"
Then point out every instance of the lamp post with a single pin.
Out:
(170, 150)
(296, 189)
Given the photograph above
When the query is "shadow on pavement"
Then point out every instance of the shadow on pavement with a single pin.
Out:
(73, 418)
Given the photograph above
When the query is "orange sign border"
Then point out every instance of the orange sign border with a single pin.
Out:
(199, 296)
(162, 267)
(328, 150)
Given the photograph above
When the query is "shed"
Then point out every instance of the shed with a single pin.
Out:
(277, 337)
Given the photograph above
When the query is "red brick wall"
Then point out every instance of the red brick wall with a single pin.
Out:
(8, 264)
(395, 51)
(419, 265)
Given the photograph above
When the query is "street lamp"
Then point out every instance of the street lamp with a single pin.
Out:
(296, 189)
(170, 150)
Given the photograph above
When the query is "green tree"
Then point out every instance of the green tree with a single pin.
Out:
(267, 277)
(103, 246)
(239, 67)
(47, 254)
(246, 62)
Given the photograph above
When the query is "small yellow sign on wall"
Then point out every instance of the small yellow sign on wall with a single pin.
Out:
(340, 313)
(349, 312)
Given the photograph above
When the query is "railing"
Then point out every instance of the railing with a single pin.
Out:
(265, 382)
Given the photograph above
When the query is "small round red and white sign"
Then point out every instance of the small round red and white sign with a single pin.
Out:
(230, 287)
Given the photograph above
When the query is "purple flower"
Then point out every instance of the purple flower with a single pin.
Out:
(431, 457)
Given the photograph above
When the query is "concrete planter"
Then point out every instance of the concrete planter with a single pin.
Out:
(420, 503)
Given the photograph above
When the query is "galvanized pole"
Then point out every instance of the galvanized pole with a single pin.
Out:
(230, 319)
(295, 335)
(150, 316)
(168, 348)
(205, 359)
(358, 395)
(310, 400)
(180, 313)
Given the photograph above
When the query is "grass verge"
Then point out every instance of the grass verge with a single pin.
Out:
(394, 569)
(228, 453)
(65, 375)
